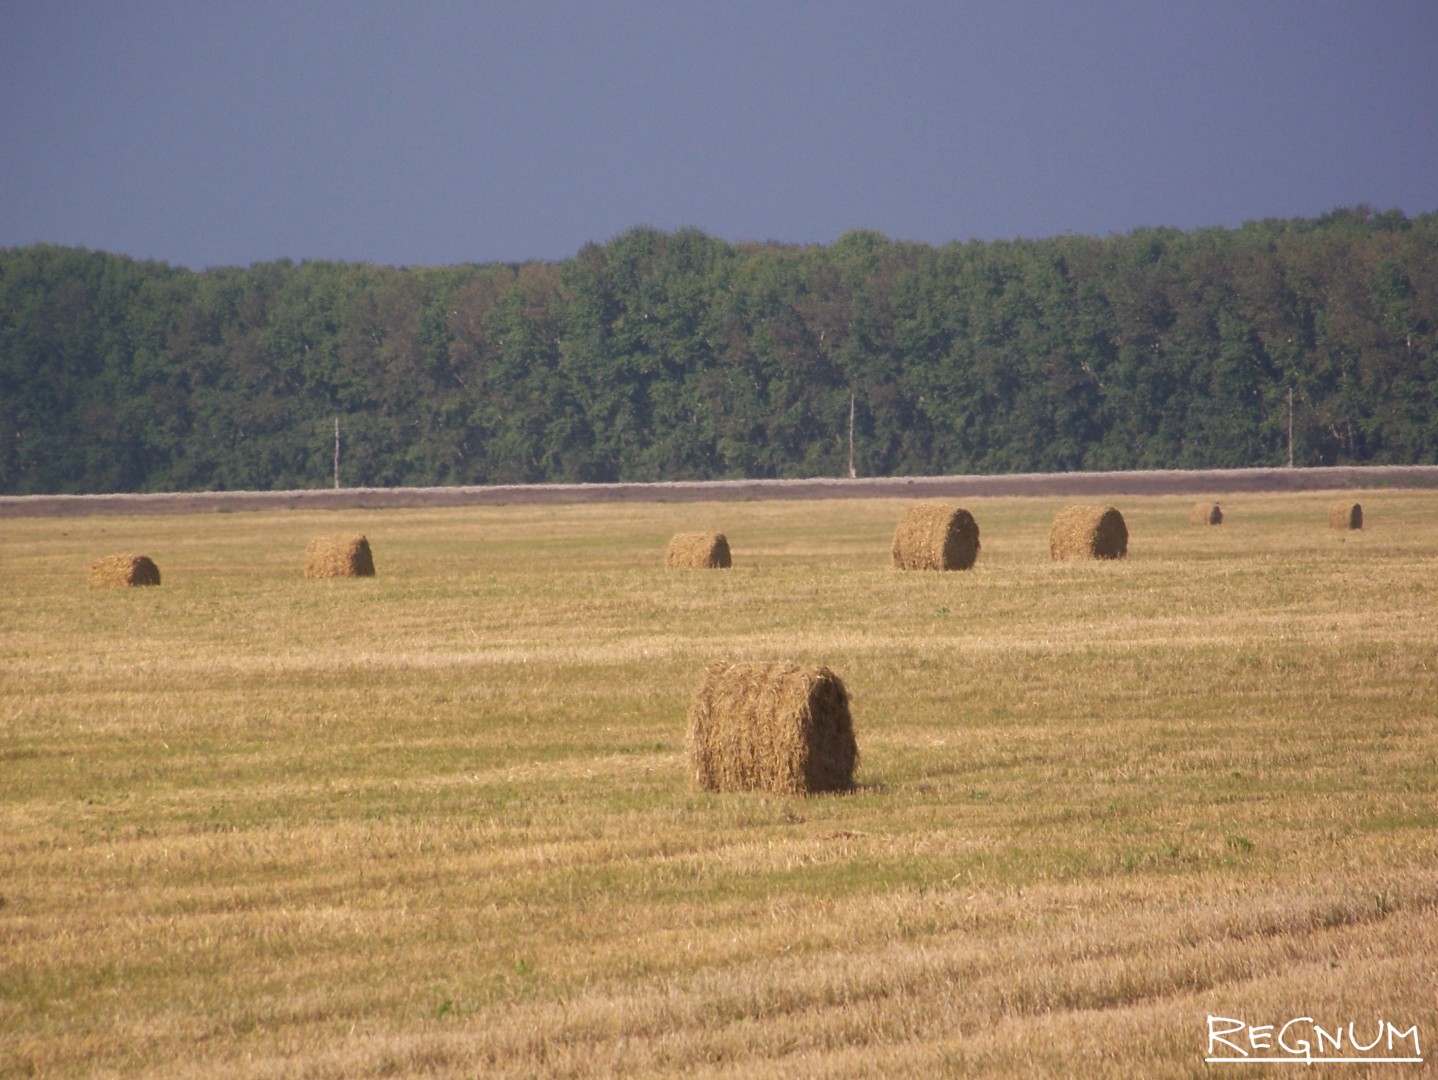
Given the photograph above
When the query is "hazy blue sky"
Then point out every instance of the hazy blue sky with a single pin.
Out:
(417, 133)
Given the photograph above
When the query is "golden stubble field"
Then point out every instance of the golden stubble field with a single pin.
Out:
(438, 822)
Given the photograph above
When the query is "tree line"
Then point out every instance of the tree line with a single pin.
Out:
(676, 355)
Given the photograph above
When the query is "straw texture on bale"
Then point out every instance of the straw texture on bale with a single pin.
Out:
(1345, 516)
(122, 570)
(702, 551)
(1088, 532)
(1206, 514)
(339, 556)
(775, 727)
(935, 536)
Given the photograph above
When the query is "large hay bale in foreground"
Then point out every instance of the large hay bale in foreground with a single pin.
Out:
(935, 536)
(339, 556)
(123, 570)
(775, 727)
(1345, 516)
(1206, 514)
(702, 551)
(1088, 532)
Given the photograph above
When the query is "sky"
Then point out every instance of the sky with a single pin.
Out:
(425, 133)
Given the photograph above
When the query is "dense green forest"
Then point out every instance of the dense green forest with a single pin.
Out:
(666, 356)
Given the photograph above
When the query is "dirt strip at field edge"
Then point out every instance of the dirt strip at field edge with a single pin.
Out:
(1150, 482)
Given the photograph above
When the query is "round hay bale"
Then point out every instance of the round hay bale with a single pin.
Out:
(123, 570)
(1345, 516)
(1088, 532)
(347, 555)
(1206, 514)
(775, 727)
(935, 536)
(701, 551)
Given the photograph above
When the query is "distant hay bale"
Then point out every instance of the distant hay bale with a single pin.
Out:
(1345, 516)
(1206, 514)
(702, 551)
(1088, 532)
(123, 570)
(774, 727)
(935, 536)
(339, 556)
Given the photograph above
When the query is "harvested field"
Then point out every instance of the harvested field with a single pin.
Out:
(444, 824)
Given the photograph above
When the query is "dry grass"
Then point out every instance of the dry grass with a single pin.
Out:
(441, 823)
(774, 727)
(698, 551)
(935, 536)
